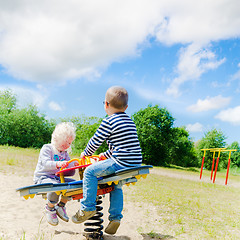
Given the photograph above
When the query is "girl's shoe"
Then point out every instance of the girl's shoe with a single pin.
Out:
(61, 212)
(112, 227)
(51, 216)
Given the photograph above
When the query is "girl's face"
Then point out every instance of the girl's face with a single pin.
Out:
(63, 146)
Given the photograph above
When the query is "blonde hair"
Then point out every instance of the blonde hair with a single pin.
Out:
(117, 97)
(62, 132)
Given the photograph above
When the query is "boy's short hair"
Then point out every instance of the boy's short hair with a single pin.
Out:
(117, 97)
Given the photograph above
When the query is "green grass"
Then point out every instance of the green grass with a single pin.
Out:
(189, 209)
(234, 171)
(185, 209)
(18, 159)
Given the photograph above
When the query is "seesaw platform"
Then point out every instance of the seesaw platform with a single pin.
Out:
(74, 189)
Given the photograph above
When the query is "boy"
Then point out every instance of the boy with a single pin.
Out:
(120, 133)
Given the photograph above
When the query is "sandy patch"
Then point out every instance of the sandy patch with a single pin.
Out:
(24, 219)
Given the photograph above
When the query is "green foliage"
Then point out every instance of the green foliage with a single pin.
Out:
(86, 127)
(154, 131)
(182, 149)
(7, 105)
(212, 139)
(7, 102)
(28, 128)
(161, 143)
(25, 127)
(235, 156)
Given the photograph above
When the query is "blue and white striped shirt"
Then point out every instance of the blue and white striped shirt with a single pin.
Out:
(120, 133)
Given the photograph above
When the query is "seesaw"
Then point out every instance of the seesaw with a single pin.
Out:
(74, 189)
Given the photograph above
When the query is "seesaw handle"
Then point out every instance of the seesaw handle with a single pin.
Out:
(83, 162)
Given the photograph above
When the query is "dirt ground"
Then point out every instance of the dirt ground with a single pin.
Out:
(24, 219)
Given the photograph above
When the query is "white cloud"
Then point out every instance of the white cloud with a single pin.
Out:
(193, 62)
(56, 40)
(53, 40)
(236, 76)
(55, 106)
(209, 103)
(196, 127)
(152, 94)
(200, 22)
(231, 115)
(26, 96)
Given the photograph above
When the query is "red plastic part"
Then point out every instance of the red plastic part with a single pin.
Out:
(101, 191)
(229, 161)
(212, 167)
(215, 173)
(202, 167)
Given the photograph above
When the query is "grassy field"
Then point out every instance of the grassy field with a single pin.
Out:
(183, 206)
(191, 209)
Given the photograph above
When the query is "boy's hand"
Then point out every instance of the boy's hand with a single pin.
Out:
(82, 155)
(102, 157)
(62, 164)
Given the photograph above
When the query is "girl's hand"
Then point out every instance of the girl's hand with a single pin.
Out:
(76, 164)
(62, 164)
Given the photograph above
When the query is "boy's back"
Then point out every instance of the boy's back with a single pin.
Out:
(118, 130)
(122, 139)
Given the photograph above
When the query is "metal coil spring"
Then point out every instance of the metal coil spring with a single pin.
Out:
(94, 231)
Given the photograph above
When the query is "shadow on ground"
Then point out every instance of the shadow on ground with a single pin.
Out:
(146, 236)
(155, 236)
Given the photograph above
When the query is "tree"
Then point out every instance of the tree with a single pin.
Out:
(27, 127)
(161, 143)
(235, 156)
(154, 128)
(7, 106)
(86, 127)
(7, 102)
(212, 139)
(182, 150)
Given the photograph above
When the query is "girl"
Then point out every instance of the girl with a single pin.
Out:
(52, 157)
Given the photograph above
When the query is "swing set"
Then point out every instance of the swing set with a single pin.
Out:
(218, 151)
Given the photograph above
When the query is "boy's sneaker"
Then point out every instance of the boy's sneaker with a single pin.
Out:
(61, 212)
(112, 227)
(51, 217)
(82, 216)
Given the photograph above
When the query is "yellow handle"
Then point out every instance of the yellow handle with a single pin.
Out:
(82, 161)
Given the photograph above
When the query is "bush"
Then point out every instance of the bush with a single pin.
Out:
(28, 128)
(212, 139)
(86, 127)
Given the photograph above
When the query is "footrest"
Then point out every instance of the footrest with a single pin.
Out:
(132, 169)
(129, 175)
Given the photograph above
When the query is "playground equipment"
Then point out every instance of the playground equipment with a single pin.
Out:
(75, 191)
(216, 150)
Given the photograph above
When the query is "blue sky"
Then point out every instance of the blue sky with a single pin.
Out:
(183, 55)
